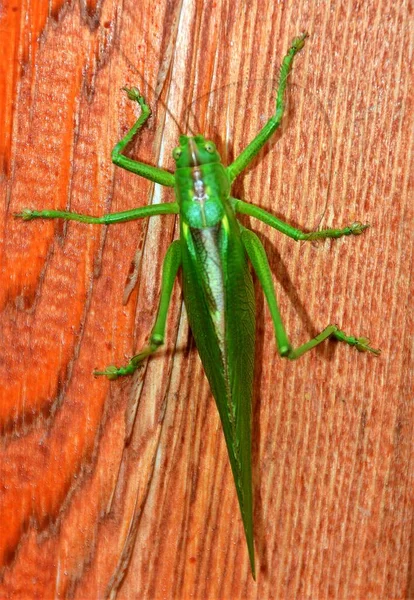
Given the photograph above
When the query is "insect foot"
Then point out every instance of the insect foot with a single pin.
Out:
(27, 214)
(134, 94)
(111, 372)
(299, 41)
(357, 228)
(362, 344)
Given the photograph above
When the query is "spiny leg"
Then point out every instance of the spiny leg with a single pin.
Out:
(268, 130)
(245, 208)
(172, 262)
(258, 258)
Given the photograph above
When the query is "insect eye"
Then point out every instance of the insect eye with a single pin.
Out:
(210, 147)
(177, 153)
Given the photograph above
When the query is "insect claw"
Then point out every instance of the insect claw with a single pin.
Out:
(132, 93)
(299, 42)
(111, 373)
(135, 95)
(363, 346)
(359, 227)
(26, 214)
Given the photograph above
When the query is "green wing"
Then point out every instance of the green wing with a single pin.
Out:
(219, 298)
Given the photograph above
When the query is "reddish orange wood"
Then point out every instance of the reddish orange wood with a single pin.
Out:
(125, 487)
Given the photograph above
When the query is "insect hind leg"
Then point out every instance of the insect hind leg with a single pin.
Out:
(258, 258)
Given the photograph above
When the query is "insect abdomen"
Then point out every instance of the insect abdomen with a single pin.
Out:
(219, 297)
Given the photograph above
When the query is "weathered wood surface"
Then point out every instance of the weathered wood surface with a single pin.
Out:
(86, 463)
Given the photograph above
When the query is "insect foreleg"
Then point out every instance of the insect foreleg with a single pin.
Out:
(152, 173)
(258, 258)
(273, 123)
(172, 262)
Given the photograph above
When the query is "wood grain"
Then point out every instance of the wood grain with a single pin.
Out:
(125, 488)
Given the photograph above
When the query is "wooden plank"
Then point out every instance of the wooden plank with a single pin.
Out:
(125, 487)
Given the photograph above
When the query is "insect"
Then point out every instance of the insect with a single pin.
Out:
(213, 252)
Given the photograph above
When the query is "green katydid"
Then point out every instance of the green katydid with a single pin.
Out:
(218, 291)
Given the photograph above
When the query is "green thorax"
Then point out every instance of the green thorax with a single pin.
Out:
(202, 184)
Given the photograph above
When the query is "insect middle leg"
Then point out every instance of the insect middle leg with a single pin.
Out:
(245, 208)
(172, 262)
(258, 258)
